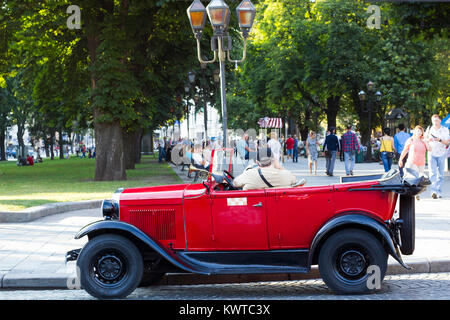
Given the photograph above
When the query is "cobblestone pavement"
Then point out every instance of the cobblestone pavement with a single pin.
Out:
(430, 286)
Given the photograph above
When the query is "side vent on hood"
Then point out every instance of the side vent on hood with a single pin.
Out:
(157, 223)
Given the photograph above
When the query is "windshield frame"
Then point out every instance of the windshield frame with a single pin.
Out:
(213, 155)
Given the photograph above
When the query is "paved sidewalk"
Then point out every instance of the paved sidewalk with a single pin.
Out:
(32, 253)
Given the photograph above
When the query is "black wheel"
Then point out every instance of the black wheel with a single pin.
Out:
(110, 266)
(407, 232)
(344, 260)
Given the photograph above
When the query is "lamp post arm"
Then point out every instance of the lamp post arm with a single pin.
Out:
(200, 57)
(243, 54)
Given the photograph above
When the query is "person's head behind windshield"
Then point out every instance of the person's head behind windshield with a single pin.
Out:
(264, 157)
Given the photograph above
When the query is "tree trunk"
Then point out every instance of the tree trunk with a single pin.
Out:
(332, 110)
(61, 145)
(2, 145)
(129, 149)
(109, 165)
(138, 145)
(152, 147)
(46, 147)
(20, 132)
(51, 143)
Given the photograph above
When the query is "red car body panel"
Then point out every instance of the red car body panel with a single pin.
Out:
(186, 217)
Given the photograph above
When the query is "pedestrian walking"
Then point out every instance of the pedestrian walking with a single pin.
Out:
(161, 152)
(350, 147)
(331, 147)
(416, 147)
(295, 151)
(242, 147)
(311, 150)
(400, 139)
(290, 148)
(439, 140)
(387, 149)
(275, 147)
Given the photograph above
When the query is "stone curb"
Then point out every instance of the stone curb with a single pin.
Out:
(37, 212)
(69, 281)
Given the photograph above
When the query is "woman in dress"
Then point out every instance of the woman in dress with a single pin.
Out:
(311, 150)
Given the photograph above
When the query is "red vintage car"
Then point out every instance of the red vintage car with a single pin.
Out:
(214, 228)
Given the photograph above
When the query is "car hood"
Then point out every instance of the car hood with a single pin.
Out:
(168, 194)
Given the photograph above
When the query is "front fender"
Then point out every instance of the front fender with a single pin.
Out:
(111, 226)
(355, 220)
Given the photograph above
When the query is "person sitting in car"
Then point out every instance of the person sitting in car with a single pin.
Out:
(266, 174)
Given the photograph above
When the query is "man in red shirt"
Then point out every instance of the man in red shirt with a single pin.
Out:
(290, 147)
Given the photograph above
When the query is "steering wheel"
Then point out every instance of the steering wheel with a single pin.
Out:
(228, 174)
(229, 179)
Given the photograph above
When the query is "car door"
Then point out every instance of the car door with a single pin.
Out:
(295, 214)
(239, 220)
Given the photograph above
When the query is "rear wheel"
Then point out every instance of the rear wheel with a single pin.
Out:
(110, 266)
(347, 258)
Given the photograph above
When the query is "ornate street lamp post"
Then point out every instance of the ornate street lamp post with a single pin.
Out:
(219, 16)
(369, 99)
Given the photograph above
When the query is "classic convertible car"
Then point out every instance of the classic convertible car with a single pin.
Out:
(214, 228)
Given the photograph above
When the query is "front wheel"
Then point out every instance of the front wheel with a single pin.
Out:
(347, 259)
(110, 266)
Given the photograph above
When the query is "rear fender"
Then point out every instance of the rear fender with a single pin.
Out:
(131, 232)
(351, 220)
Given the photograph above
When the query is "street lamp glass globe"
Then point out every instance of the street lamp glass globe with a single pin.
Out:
(378, 95)
(370, 85)
(362, 95)
(218, 12)
(246, 14)
(197, 16)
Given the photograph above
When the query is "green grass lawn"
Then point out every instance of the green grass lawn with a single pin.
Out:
(71, 180)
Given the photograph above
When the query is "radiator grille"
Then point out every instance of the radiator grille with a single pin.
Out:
(157, 223)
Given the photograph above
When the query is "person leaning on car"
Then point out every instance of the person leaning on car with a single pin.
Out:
(266, 174)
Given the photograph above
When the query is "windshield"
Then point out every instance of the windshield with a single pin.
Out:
(222, 159)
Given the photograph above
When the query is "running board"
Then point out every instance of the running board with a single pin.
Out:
(240, 262)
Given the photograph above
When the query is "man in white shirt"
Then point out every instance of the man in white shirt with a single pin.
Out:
(275, 147)
(439, 139)
(266, 175)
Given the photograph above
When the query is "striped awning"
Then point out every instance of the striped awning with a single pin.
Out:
(270, 122)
